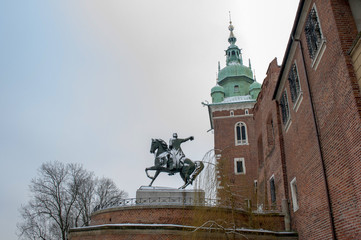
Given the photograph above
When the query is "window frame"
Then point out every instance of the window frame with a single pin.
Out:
(285, 110)
(312, 30)
(241, 141)
(294, 194)
(242, 161)
(295, 86)
(236, 89)
(272, 179)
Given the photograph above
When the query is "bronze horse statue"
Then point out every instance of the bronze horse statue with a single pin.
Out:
(164, 157)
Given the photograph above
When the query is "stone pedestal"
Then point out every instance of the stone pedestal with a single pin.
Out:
(169, 196)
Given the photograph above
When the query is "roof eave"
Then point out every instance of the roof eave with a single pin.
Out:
(289, 45)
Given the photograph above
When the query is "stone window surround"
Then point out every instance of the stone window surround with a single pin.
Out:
(241, 160)
(298, 100)
(240, 142)
(288, 121)
(322, 45)
(294, 194)
(272, 179)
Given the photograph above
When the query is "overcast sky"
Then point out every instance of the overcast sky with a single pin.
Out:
(92, 82)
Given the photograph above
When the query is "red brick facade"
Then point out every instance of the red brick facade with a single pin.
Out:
(241, 185)
(318, 150)
(180, 222)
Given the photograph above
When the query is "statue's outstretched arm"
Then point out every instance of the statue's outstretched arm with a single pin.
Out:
(186, 139)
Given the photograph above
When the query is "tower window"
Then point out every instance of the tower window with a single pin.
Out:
(313, 33)
(294, 194)
(294, 83)
(241, 134)
(232, 113)
(236, 88)
(233, 53)
(239, 166)
(246, 112)
(272, 189)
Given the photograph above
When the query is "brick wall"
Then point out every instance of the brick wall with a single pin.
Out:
(267, 130)
(327, 171)
(179, 222)
(238, 186)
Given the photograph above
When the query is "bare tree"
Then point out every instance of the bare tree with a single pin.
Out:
(62, 196)
(107, 193)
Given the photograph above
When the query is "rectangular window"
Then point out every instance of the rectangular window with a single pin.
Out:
(313, 33)
(294, 194)
(273, 190)
(239, 166)
(294, 83)
(284, 108)
(236, 89)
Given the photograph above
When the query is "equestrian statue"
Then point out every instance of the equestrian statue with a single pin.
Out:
(172, 160)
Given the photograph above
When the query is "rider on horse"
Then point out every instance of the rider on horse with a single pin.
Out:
(176, 151)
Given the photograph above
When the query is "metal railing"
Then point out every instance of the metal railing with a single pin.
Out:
(186, 201)
(178, 201)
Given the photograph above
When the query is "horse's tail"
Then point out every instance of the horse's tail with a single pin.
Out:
(196, 172)
(198, 168)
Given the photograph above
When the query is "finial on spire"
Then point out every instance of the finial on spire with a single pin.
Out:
(232, 39)
(219, 66)
(249, 63)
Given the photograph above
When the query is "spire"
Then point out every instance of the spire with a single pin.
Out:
(233, 53)
(232, 39)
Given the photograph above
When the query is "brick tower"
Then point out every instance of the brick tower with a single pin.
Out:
(231, 117)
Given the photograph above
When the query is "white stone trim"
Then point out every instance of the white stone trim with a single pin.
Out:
(294, 193)
(232, 106)
(235, 133)
(298, 101)
(243, 166)
(241, 116)
(322, 48)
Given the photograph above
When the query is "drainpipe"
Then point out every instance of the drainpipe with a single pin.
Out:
(318, 141)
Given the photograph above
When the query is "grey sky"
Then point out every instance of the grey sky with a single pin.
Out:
(92, 82)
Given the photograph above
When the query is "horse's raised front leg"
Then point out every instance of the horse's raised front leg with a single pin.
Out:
(153, 178)
(154, 168)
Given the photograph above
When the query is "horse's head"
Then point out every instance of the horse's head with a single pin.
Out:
(158, 144)
(153, 146)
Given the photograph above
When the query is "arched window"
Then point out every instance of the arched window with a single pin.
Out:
(233, 53)
(241, 133)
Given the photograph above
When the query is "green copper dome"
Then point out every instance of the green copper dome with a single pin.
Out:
(217, 88)
(234, 70)
(235, 79)
(255, 85)
(217, 94)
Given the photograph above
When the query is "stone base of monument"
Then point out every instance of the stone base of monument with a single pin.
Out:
(169, 196)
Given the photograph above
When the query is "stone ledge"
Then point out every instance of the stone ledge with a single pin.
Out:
(138, 229)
